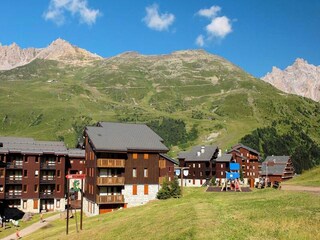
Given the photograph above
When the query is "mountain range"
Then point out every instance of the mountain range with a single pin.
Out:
(52, 93)
(301, 78)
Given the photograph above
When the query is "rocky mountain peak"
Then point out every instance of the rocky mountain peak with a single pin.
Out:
(300, 78)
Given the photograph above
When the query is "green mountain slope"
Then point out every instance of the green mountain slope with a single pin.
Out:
(51, 100)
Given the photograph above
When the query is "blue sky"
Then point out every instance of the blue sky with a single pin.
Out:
(253, 34)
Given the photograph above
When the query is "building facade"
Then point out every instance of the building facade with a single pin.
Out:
(32, 174)
(248, 159)
(277, 168)
(200, 163)
(125, 164)
(222, 166)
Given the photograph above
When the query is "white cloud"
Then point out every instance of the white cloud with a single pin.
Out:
(156, 20)
(209, 12)
(200, 41)
(58, 8)
(219, 27)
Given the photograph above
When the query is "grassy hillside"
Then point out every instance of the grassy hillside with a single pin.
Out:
(49, 100)
(262, 214)
(307, 178)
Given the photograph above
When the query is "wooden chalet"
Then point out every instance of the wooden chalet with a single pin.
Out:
(32, 174)
(248, 159)
(125, 164)
(222, 166)
(201, 163)
(277, 168)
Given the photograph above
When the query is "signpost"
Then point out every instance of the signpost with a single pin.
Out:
(75, 188)
(182, 171)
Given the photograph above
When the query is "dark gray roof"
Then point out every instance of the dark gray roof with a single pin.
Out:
(224, 158)
(240, 145)
(125, 137)
(169, 158)
(76, 152)
(30, 146)
(277, 166)
(196, 155)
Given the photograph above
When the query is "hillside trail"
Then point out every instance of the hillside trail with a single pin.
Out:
(32, 228)
(300, 188)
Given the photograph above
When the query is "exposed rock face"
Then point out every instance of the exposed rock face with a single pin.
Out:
(60, 50)
(13, 56)
(301, 78)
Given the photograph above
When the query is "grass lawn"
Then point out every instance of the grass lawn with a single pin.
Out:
(261, 214)
(308, 178)
(11, 229)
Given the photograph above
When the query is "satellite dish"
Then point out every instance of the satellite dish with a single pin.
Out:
(186, 172)
(178, 171)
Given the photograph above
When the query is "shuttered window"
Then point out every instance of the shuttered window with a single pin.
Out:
(134, 189)
(146, 189)
(146, 156)
(134, 155)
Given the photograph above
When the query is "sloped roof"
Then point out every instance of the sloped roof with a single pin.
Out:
(224, 158)
(169, 158)
(76, 152)
(240, 145)
(30, 146)
(124, 137)
(278, 166)
(194, 155)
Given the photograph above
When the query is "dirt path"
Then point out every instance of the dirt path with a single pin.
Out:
(32, 228)
(301, 188)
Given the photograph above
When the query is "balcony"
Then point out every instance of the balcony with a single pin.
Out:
(46, 195)
(110, 163)
(14, 180)
(110, 181)
(14, 165)
(110, 199)
(14, 195)
(48, 166)
(47, 180)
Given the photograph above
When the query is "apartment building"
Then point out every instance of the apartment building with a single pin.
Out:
(125, 164)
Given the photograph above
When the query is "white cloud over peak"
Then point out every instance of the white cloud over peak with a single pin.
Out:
(209, 12)
(158, 21)
(218, 28)
(58, 8)
(200, 41)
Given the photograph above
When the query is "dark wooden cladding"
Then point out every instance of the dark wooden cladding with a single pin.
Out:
(140, 164)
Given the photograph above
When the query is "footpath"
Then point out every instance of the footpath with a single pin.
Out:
(300, 188)
(32, 228)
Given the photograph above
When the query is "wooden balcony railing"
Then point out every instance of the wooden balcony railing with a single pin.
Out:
(46, 194)
(47, 180)
(14, 179)
(110, 199)
(13, 195)
(110, 181)
(110, 163)
(14, 165)
(48, 166)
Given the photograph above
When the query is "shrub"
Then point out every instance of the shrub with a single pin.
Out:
(169, 189)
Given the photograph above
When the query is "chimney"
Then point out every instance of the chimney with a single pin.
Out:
(202, 149)
(220, 153)
(198, 154)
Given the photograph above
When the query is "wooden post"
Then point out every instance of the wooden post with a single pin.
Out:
(181, 173)
(81, 204)
(67, 227)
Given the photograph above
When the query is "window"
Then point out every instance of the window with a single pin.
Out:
(25, 188)
(25, 173)
(58, 203)
(35, 188)
(36, 173)
(1, 188)
(59, 160)
(134, 172)
(58, 173)
(134, 189)
(199, 165)
(146, 189)
(146, 156)
(169, 169)
(253, 167)
(200, 174)
(1, 173)
(25, 159)
(58, 188)
(221, 165)
(145, 172)
(221, 173)
(134, 155)
(37, 160)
